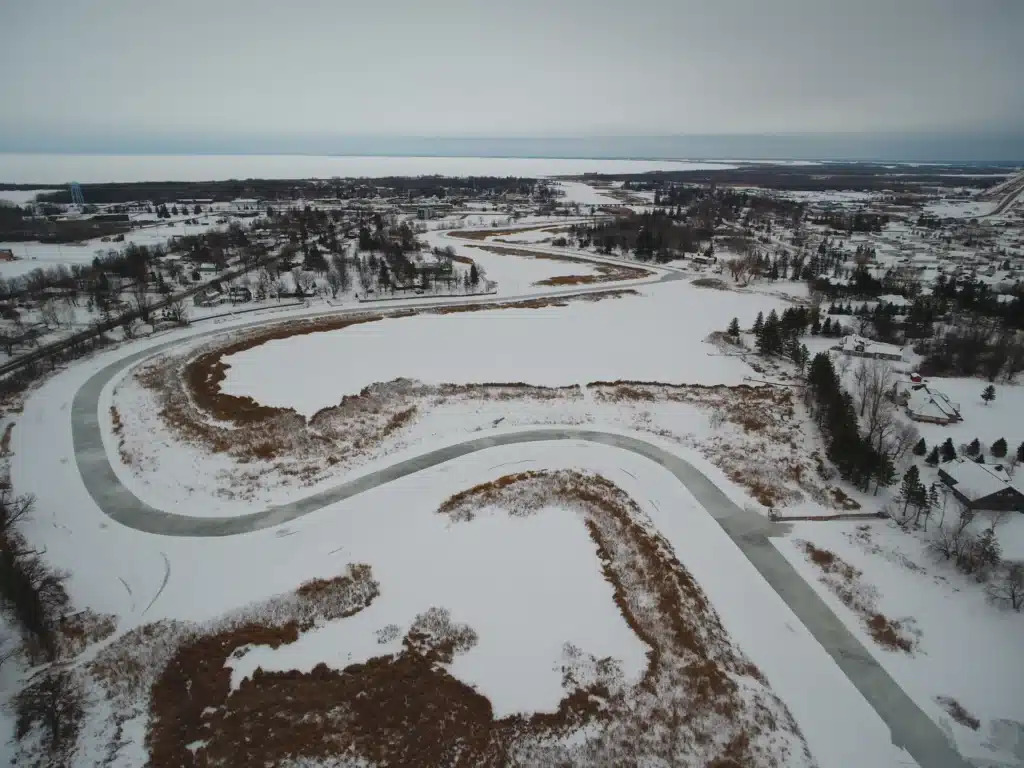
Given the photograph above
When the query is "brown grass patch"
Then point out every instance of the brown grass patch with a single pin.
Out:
(710, 282)
(5, 441)
(700, 701)
(767, 417)
(483, 234)
(844, 581)
(957, 711)
(117, 427)
(78, 632)
(604, 272)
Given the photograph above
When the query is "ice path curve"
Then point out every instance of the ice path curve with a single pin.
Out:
(910, 728)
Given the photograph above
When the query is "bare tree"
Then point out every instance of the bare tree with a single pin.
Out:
(177, 313)
(54, 703)
(334, 281)
(264, 284)
(306, 282)
(130, 325)
(1008, 589)
(895, 437)
(141, 295)
(873, 383)
(48, 313)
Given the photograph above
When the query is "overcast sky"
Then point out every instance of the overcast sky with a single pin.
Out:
(224, 68)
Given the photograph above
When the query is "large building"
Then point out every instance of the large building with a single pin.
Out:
(981, 486)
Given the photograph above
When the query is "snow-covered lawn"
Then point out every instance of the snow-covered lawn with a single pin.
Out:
(554, 346)
(967, 649)
(1004, 417)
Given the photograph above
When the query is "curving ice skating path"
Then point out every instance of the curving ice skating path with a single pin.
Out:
(910, 728)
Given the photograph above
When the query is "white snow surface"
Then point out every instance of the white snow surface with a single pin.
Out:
(578, 192)
(59, 169)
(22, 196)
(555, 346)
(527, 585)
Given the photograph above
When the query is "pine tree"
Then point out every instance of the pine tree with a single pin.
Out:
(815, 326)
(989, 394)
(980, 458)
(933, 457)
(758, 323)
(734, 328)
(974, 447)
(987, 552)
(947, 451)
(826, 328)
(1020, 453)
(998, 448)
(474, 275)
(921, 448)
(911, 490)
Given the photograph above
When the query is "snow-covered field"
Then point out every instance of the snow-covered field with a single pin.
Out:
(554, 346)
(21, 196)
(578, 192)
(34, 255)
(950, 613)
(93, 169)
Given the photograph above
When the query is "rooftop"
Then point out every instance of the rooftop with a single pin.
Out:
(976, 481)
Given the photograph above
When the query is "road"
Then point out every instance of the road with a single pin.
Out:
(1014, 192)
(910, 727)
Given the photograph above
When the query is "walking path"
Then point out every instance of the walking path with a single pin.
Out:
(911, 729)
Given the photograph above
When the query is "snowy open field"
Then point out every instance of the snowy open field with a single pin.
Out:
(34, 255)
(555, 346)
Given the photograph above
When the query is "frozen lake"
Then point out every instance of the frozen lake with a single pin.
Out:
(93, 169)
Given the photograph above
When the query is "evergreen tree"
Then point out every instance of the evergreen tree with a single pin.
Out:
(815, 326)
(921, 448)
(734, 328)
(947, 451)
(998, 448)
(1020, 453)
(980, 458)
(974, 447)
(474, 275)
(758, 323)
(912, 491)
(989, 394)
(933, 457)
(826, 328)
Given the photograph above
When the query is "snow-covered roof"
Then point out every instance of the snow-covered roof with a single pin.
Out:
(850, 344)
(976, 481)
(930, 403)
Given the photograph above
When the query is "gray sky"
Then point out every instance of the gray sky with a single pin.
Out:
(221, 68)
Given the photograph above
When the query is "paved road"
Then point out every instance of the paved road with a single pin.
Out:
(910, 728)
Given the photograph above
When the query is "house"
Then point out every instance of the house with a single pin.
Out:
(6, 254)
(931, 406)
(858, 346)
(209, 297)
(981, 486)
(239, 294)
